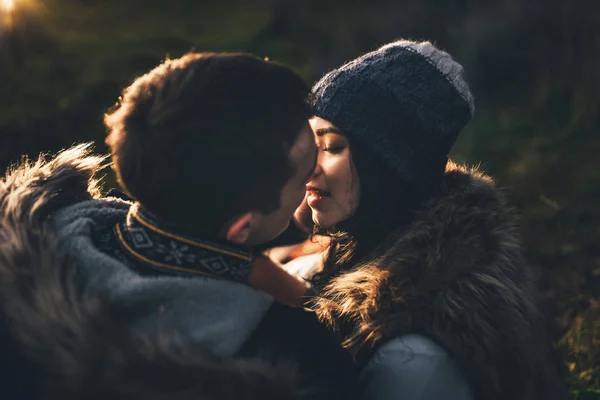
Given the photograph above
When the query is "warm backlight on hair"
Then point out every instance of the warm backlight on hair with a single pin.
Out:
(7, 5)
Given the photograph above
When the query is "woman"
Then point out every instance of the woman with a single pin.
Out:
(424, 278)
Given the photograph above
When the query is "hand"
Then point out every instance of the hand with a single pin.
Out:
(305, 267)
(303, 217)
(283, 254)
(271, 278)
(316, 244)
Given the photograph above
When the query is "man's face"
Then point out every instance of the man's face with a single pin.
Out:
(303, 156)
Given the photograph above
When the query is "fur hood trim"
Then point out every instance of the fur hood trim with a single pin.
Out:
(456, 275)
(60, 342)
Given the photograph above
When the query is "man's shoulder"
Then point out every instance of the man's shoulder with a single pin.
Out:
(196, 311)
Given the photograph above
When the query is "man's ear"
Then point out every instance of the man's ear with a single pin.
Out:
(239, 229)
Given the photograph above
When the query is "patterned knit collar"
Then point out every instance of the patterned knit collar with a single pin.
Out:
(146, 240)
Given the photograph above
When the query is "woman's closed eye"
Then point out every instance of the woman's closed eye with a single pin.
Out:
(334, 149)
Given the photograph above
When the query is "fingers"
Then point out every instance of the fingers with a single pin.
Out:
(303, 217)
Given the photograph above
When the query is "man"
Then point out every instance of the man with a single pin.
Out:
(155, 295)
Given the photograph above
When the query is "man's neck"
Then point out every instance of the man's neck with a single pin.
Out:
(156, 222)
(159, 245)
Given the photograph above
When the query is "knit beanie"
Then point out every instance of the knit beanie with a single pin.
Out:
(406, 102)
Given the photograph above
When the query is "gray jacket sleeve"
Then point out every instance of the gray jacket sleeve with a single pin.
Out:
(413, 367)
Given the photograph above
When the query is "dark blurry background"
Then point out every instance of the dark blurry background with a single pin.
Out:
(533, 65)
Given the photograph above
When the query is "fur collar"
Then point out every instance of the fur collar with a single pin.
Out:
(63, 342)
(456, 275)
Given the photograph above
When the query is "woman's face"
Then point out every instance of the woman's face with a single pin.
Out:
(334, 190)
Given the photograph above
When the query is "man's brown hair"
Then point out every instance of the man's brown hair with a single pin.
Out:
(203, 138)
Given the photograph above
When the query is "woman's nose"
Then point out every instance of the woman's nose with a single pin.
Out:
(317, 171)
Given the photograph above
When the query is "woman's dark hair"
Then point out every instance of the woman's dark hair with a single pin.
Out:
(387, 203)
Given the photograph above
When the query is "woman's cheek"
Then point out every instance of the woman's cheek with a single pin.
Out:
(335, 167)
(338, 182)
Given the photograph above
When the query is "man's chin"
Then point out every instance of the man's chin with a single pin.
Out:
(272, 237)
(283, 229)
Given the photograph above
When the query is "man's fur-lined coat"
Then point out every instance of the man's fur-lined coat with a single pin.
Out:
(60, 342)
(456, 275)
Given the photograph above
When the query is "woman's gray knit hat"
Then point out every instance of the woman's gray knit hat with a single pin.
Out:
(407, 101)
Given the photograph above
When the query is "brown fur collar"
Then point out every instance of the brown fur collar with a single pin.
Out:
(58, 342)
(456, 275)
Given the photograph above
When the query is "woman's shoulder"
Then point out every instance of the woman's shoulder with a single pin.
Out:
(413, 367)
(411, 345)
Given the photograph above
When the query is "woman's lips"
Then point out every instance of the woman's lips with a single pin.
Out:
(316, 196)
